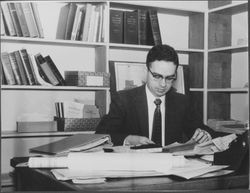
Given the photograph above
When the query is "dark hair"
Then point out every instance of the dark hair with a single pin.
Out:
(162, 52)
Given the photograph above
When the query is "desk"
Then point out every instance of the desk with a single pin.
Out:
(43, 180)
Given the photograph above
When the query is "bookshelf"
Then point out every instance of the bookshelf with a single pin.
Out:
(184, 25)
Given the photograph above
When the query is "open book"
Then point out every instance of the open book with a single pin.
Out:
(78, 142)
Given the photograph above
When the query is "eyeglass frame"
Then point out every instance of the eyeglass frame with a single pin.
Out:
(160, 77)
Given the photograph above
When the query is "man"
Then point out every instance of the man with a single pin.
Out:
(154, 112)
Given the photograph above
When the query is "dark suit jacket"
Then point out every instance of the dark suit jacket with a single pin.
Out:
(128, 115)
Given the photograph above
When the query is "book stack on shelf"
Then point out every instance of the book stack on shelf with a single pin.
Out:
(21, 19)
(84, 22)
(139, 27)
(22, 68)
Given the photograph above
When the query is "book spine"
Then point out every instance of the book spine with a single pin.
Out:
(100, 23)
(55, 70)
(155, 27)
(7, 69)
(27, 66)
(77, 22)
(30, 20)
(47, 70)
(15, 19)
(22, 20)
(3, 25)
(70, 21)
(130, 27)
(62, 21)
(8, 19)
(21, 68)
(86, 22)
(116, 26)
(92, 23)
(15, 68)
(37, 19)
(96, 25)
(142, 27)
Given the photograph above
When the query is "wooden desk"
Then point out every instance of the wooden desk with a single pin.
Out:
(43, 180)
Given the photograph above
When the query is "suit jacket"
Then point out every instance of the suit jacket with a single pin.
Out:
(128, 115)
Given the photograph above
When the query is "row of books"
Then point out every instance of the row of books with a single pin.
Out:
(21, 19)
(21, 68)
(135, 27)
(83, 22)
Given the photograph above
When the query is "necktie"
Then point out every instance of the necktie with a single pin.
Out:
(156, 135)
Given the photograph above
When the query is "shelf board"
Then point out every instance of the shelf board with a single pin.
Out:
(231, 8)
(50, 41)
(236, 90)
(235, 48)
(59, 88)
(14, 134)
(148, 47)
(196, 89)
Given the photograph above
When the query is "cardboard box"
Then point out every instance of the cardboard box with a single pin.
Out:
(84, 78)
(37, 126)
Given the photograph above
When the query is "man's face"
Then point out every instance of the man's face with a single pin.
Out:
(160, 79)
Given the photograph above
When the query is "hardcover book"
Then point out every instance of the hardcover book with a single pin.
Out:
(55, 70)
(27, 66)
(116, 26)
(21, 68)
(37, 19)
(62, 21)
(22, 20)
(130, 27)
(30, 19)
(48, 72)
(142, 26)
(70, 21)
(154, 23)
(78, 142)
(7, 16)
(15, 68)
(7, 69)
(15, 20)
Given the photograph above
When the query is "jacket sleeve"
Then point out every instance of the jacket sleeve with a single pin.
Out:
(114, 122)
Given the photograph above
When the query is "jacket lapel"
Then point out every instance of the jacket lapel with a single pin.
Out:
(141, 107)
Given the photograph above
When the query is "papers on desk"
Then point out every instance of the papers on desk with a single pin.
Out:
(190, 148)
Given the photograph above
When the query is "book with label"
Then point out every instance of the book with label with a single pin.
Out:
(130, 27)
(7, 69)
(78, 142)
(116, 26)
(154, 23)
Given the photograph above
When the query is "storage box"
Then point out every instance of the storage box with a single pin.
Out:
(36, 126)
(77, 124)
(83, 78)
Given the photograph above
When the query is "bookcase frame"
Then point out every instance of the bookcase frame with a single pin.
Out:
(197, 50)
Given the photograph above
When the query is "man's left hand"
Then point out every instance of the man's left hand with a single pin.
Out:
(201, 136)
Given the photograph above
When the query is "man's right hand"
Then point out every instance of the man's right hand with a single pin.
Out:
(137, 140)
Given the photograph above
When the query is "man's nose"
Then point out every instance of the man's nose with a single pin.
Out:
(163, 82)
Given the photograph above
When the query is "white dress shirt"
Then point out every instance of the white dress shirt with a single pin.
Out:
(151, 109)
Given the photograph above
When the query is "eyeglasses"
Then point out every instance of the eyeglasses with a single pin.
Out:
(159, 77)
